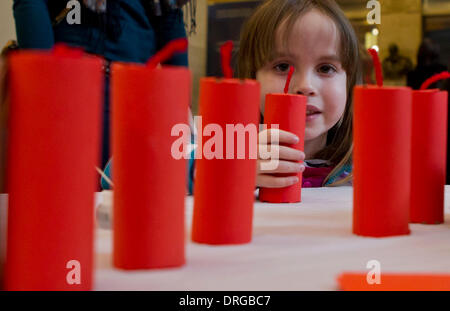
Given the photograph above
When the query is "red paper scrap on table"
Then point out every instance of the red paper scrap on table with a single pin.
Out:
(357, 281)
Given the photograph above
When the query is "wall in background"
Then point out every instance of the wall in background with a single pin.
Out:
(401, 22)
(197, 51)
(7, 28)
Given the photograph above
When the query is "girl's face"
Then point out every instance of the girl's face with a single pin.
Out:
(313, 50)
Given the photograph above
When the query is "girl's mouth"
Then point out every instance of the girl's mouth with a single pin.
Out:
(309, 113)
(311, 117)
(312, 112)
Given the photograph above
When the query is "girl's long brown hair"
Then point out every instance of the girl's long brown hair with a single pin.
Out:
(257, 45)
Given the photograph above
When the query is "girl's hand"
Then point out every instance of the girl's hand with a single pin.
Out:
(287, 160)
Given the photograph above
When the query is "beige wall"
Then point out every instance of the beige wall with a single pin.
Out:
(7, 29)
(198, 50)
(401, 23)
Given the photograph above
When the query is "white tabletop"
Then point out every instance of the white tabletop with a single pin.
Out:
(301, 246)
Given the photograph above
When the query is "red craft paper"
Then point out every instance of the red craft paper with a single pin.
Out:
(224, 188)
(377, 65)
(428, 156)
(354, 281)
(54, 138)
(225, 54)
(289, 112)
(174, 46)
(149, 183)
(382, 160)
(435, 78)
(3, 125)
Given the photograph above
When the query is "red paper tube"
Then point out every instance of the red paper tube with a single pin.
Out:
(289, 112)
(3, 126)
(428, 156)
(382, 160)
(2, 172)
(54, 138)
(149, 182)
(224, 188)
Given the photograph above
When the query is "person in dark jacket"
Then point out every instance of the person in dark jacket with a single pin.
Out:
(428, 64)
(117, 30)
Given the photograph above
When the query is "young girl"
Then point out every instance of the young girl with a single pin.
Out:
(316, 38)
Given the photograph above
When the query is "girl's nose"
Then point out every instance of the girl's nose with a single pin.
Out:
(303, 85)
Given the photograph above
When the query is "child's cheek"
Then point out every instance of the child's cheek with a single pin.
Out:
(336, 99)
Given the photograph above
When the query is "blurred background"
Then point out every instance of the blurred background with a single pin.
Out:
(407, 27)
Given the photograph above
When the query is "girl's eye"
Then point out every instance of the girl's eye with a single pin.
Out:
(282, 67)
(327, 69)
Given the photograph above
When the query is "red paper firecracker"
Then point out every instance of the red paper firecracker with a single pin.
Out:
(382, 160)
(149, 181)
(3, 122)
(428, 154)
(54, 139)
(288, 113)
(224, 187)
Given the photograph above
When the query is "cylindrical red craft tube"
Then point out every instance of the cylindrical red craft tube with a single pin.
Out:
(289, 113)
(54, 138)
(428, 156)
(149, 181)
(224, 187)
(382, 160)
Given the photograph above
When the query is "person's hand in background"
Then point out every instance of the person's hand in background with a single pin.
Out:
(283, 159)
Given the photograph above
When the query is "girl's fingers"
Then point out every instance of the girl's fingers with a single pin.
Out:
(278, 166)
(268, 181)
(283, 137)
(266, 152)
